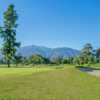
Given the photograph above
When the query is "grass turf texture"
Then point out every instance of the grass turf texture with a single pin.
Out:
(48, 83)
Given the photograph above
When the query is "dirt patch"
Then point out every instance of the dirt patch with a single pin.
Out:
(90, 70)
(95, 72)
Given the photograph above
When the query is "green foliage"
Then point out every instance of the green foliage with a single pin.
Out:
(98, 54)
(56, 60)
(86, 55)
(76, 60)
(91, 59)
(68, 60)
(18, 59)
(65, 60)
(2, 61)
(8, 34)
(25, 61)
(37, 59)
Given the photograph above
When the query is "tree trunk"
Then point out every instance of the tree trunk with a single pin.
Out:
(8, 62)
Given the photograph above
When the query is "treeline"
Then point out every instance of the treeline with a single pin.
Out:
(86, 56)
(38, 59)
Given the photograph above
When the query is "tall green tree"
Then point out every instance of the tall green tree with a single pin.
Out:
(8, 34)
(98, 54)
(86, 53)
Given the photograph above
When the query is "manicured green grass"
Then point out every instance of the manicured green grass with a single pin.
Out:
(97, 66)
(48, 83)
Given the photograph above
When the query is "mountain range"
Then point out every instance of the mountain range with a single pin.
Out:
(50, 53)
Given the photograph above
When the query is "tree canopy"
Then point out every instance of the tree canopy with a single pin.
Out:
(8, 34)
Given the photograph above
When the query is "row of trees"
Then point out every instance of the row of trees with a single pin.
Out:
(38, 59)
(88, 55)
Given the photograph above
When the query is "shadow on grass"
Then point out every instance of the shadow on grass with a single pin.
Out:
(86, 68)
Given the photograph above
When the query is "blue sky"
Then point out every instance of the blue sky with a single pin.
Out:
(56, 23)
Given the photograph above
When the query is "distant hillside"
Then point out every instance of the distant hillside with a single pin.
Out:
(48, 52)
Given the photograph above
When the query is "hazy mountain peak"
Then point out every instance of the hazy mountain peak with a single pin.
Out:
(27, 51)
